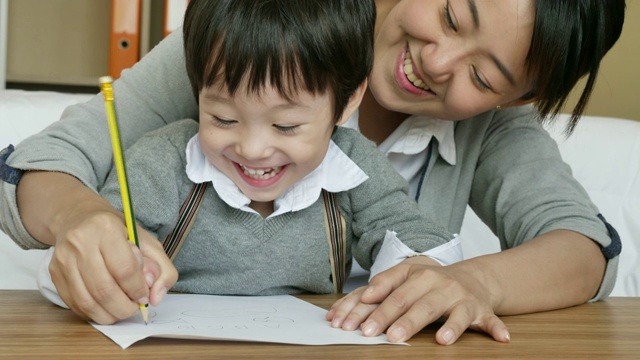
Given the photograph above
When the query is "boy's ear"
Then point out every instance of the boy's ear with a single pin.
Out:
(354, 103)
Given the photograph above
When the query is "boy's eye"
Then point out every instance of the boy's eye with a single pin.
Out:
(286, 129)
(223, 122)
(448, 18)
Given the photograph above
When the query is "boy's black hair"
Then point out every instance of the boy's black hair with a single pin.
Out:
(322, 46)
(570, 38)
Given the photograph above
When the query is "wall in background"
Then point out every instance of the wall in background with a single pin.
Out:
(617, 91)
(65, 42)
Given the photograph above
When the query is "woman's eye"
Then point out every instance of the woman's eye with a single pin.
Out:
(478, 80)
(286, 129)
(448, 18)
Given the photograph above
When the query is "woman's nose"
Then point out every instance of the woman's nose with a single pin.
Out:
(439, 60)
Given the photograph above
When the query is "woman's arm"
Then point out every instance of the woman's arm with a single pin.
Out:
(154, 92)
(55, 202)
(558, 249)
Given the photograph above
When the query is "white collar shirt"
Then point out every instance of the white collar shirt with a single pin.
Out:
(407, 147)
(336, 173)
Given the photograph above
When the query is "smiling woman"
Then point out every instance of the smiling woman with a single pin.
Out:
(446, 60)
(467, 57)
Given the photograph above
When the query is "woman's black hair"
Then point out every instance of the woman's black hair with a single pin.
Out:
(314, 45)
(570, 38)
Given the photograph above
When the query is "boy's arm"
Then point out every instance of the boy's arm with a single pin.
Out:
(388, 226)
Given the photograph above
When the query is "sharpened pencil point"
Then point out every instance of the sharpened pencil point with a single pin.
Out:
(144, 310)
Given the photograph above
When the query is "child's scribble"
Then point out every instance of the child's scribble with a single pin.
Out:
(250, 318)
(282, 319)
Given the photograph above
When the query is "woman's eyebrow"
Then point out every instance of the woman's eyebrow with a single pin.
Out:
(503, 69)
(474, 13)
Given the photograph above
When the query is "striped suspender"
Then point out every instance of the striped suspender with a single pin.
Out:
(334, 224)
(186, 218)
(336, 229)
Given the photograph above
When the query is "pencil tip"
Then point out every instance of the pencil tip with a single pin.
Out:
(145, 314)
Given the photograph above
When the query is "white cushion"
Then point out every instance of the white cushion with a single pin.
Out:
(23, 113)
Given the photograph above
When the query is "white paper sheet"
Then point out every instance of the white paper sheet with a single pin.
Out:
(278, 319)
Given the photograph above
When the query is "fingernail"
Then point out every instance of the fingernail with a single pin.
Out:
(369, 290)
(349, 325)
(149, 278)
(447, 336)
(396, 334)
(143, 300)
(507, 336)
(370, 328)
(330, 314)
(335, 323)
(161, 294)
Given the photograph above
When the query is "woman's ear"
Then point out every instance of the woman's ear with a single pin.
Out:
(354, 103)
(526, 99)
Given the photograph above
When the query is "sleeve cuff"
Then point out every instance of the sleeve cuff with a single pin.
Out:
(45, 284)
(394, 251)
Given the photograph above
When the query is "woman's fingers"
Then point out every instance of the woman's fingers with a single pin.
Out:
(89, 290)
(471, 316)
(411, 296)
(407, 310)
(96, 271)
(343, 307)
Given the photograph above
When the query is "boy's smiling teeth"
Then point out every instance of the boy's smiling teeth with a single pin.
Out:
(408, 71)
(261, 174)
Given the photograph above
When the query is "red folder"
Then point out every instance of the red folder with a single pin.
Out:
(124, 42)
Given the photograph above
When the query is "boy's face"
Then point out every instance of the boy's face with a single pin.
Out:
(263, 142)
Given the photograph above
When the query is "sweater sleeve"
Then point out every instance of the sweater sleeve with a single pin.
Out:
(153, 93)
(381, 203)
(522, 188)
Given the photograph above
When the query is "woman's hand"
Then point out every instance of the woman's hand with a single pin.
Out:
(96, 270)
(100, 275)
(413, 294)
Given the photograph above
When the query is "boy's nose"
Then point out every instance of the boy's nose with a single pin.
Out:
(254, 147)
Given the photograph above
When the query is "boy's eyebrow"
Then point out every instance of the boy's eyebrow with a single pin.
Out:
(213, 96)
(287, 104)
(473, 9)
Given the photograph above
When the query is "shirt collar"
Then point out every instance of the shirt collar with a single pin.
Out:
(336, 173)
(415, 133)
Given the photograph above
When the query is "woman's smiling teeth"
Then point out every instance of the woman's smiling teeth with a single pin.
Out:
(261, 174)
(408, 71)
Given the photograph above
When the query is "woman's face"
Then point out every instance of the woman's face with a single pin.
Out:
(452, 59)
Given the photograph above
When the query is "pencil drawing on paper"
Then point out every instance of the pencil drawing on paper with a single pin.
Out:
(226, 319)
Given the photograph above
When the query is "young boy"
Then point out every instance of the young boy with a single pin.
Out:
(274, 79)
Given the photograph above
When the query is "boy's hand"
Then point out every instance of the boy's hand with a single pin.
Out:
(413, 294)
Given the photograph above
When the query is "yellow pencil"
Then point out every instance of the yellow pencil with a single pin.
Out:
(118, 159)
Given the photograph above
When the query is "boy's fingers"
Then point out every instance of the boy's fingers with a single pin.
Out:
(157, 267)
